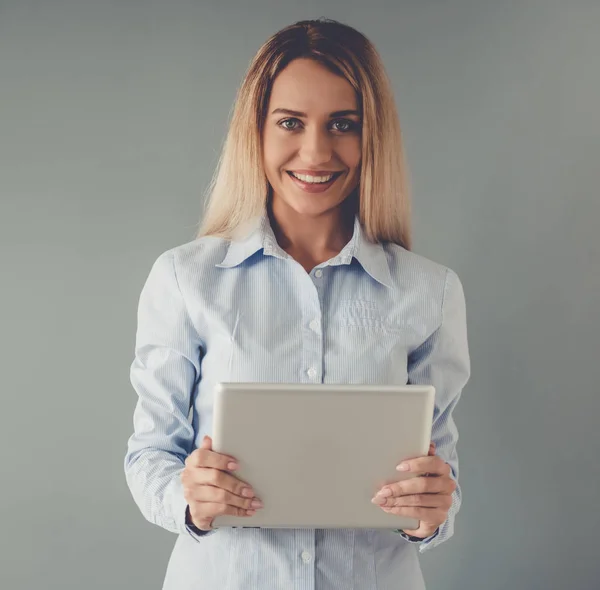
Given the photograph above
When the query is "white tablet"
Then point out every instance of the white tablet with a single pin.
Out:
(316, 454)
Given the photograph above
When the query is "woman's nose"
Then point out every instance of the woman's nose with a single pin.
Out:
(316, 148)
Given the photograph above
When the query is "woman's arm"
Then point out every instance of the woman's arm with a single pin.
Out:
(164, 374)
(443, 361)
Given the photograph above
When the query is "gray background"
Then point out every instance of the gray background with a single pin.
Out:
(112, 115)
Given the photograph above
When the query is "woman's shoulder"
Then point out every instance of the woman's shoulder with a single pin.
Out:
(196, 256)
(420, 270)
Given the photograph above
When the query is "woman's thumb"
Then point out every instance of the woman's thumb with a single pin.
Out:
(206, 443)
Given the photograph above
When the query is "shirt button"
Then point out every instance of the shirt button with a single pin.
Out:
(306, 557)
(314, 325)
(312, 372)
(318, 273)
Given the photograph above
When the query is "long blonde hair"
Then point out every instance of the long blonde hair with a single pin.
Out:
(239, 189)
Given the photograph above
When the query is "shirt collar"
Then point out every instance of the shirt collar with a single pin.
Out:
(371, 256)
(259, 236)
(246, 242)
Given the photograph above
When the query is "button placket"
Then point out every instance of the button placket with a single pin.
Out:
(305, 569)
(312, 318)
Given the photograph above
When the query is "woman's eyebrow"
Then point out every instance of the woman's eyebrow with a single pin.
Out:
(301, 114)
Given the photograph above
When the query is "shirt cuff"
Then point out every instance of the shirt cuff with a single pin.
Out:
(192, 529)
(422, 541)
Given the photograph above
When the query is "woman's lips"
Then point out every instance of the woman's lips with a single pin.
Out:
(311, 187)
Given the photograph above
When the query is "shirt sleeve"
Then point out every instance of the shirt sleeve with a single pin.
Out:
(443, 361)
(164, 373)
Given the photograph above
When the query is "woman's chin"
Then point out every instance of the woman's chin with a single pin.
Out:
(315, 209)
(312, 205)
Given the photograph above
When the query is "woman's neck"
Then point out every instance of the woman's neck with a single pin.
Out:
(310, 240)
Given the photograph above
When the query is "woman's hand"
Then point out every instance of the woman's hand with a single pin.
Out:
(427, 497)
(210, 491)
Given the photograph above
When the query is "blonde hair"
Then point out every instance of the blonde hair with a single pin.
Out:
(239, 189)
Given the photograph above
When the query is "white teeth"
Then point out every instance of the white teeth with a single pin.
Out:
(313, 179)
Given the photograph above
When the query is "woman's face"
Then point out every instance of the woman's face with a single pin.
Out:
(311, 138)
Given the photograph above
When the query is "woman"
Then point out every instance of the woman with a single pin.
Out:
(302, 272)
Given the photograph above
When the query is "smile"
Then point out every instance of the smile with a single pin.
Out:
(314, 183)
(314, 179)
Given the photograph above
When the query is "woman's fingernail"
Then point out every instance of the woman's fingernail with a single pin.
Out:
(378, 500)
(248, 493)
(232, 465)
(256, 504)
(403, 467)
(384, 493)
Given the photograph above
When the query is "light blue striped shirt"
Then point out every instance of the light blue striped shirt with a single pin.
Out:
(243, 310)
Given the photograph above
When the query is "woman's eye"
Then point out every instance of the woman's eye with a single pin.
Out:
(346, 125)
(285, 125)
